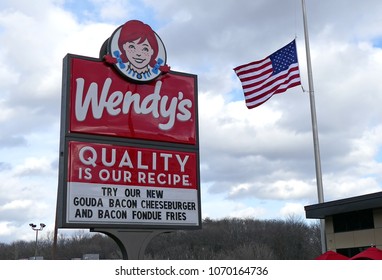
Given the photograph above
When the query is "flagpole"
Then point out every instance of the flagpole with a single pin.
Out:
(320, 191)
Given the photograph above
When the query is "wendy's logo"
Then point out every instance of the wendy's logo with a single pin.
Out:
(137, 52)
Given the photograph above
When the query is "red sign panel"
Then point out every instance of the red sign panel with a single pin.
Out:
(131, 166)
(104, 103)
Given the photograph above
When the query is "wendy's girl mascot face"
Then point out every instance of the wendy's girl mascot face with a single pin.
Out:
(137, 52)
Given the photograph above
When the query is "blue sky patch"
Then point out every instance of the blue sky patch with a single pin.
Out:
(377, 42)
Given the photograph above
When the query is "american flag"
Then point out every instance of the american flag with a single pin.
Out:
(274, 74)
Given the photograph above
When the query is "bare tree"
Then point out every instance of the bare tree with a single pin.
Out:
(218, 239)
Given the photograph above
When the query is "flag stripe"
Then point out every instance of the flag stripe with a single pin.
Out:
(272, 75)
(271, 92)
(276, 79)
(250, 102)
(252, 67)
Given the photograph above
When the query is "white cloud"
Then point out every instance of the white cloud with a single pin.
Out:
(16, 204)
(6, 229)
(292, 210)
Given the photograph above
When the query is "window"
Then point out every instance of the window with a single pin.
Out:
(351, 252)
(356, 220)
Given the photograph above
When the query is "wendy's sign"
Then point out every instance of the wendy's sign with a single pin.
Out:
(103, 102)
(131, 92)
(129, 151)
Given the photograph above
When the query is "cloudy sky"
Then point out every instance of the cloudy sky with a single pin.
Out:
(255, 163)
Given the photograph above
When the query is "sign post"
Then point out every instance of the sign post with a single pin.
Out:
(132, 243)
(129, 150)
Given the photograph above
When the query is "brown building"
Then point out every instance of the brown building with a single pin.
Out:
(351, 224)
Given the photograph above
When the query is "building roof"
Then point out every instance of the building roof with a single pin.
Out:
(356, 203)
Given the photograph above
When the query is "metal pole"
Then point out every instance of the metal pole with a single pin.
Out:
(320, 191)
(35, 249)
(33, 226)
(55, 237)
(132, 242)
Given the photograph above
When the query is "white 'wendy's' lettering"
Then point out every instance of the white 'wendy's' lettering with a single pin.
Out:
(121, 103)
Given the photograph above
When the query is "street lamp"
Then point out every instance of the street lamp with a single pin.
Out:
(33, 226)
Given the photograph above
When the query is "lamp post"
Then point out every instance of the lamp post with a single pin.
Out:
(33, 226)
